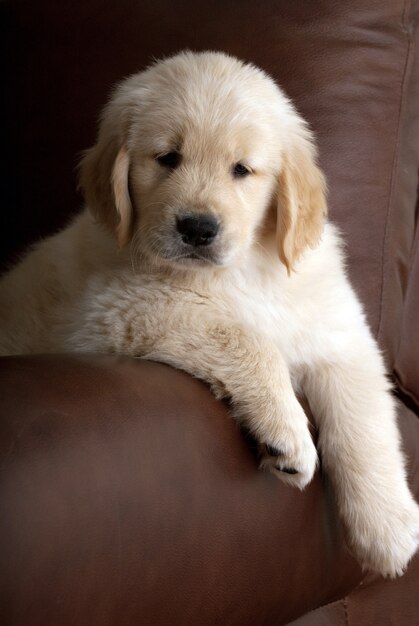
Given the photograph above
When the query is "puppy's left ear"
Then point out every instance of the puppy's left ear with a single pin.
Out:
(302, 209)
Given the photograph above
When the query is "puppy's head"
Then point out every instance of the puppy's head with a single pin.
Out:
(192, 156)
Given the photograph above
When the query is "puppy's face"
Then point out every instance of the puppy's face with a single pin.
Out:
(202, 171)
(189, 162)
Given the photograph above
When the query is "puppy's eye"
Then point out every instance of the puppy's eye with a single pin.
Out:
(169, 160)
(239, 170)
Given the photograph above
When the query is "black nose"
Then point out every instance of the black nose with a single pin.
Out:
(199, 230)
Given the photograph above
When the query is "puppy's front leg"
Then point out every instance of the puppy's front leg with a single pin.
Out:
(255, 376)
(360, 448)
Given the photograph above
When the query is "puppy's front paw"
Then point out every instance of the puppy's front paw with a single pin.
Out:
(386, 538)
(292, 457)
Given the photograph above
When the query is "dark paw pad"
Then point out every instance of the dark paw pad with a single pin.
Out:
(287, 470)
(272, 451)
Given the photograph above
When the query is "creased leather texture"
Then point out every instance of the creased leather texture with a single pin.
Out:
(127, 483)
(128, 495)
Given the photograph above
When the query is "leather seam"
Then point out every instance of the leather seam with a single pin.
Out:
(395, 162)
(345, 610)
(400, 382)
(341, 601)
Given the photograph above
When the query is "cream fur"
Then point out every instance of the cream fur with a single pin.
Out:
(266, 310)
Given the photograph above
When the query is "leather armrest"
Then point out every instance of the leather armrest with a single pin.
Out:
(131, 497)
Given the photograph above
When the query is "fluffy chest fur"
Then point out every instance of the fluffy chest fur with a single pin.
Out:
(304, 315)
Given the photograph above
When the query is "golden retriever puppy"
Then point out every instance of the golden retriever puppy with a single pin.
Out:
(205, 245)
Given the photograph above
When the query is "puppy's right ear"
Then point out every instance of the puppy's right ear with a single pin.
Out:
(103, 178)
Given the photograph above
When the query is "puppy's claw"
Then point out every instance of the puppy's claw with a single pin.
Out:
(287, 470)
(294, 462)
(273, 451)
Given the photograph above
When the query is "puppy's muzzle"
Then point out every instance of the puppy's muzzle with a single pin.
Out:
(197, 230)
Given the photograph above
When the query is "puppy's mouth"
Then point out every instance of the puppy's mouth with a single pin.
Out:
(176, 254)
(194, 258)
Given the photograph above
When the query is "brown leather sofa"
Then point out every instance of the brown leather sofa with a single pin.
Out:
(129, 496)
